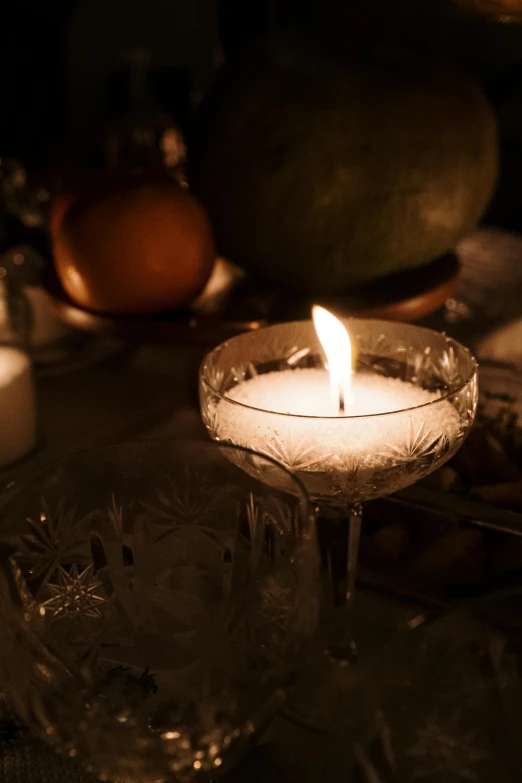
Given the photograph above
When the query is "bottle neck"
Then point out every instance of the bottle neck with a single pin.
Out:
(137, 77)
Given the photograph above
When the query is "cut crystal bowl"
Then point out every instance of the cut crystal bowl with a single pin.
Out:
(154, 600)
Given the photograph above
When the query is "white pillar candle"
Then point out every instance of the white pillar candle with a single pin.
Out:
(17, 405)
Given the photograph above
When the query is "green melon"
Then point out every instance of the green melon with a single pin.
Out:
(325, 175)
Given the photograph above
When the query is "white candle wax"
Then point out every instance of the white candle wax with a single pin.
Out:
(17, 406)
(307, 393)
(332, 453)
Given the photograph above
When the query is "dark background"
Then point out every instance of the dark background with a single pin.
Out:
(56, 58)
(59, 61)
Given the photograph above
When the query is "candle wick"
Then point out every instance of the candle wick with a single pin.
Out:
(341, 403)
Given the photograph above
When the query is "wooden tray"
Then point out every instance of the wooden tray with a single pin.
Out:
(250, 304)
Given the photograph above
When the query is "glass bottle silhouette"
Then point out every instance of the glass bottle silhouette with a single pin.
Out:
(144, 137)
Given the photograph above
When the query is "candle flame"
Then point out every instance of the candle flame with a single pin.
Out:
(338, 349)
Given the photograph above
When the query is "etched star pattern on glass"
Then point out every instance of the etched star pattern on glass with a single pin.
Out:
(154, 599)
(441, 707)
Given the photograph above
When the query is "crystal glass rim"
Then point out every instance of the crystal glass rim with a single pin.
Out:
(442, 398)
(114, 447)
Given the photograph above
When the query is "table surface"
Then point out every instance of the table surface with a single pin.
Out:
(148, 392)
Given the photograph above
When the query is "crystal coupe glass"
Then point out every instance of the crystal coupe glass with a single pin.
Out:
(344, 460)
(154, 599)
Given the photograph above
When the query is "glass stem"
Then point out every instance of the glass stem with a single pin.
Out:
(339, 531)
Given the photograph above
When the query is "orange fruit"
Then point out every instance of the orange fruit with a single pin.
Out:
(132, 245)
(75, 184)
(59, 207)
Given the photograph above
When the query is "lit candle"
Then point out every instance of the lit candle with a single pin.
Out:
(346, 432)
(17, 407)
(338, 349)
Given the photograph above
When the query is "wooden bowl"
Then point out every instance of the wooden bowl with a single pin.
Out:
(250, 304)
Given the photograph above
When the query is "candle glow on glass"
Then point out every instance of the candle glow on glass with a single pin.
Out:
(351, 449)
(336, 344)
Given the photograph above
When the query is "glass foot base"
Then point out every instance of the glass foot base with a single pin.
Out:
(328, 686)
(343, 654)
